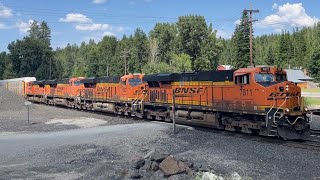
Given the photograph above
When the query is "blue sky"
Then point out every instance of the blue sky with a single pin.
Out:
(74, 21)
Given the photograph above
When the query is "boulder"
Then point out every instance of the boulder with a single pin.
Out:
(183, 167)
(235, 176)
(169, 166)
(179, 177)
(196, 166)
(149, 154)
(154, 166)
(210, 176)
(189, 164)
(158, 175)
(204, 168)
(137, 162)
(158, 156)
(147, 165)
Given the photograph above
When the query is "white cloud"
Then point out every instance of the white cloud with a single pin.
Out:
(237, 22)
(108, 33)
(24, 26)
(2, 26)
(224, 34)
(288, 16)
(75, 18)
(275, 6)
(93, 27)
(5, 11)
(99, 1)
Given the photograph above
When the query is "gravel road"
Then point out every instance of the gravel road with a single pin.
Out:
(104, 152)
(43, 118)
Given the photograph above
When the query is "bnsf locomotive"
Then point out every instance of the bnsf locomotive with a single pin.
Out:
(251, 100)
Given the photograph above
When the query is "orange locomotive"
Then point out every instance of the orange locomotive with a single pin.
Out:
(251, 100)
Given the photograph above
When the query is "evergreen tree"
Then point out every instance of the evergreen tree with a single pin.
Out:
(33, 55)
(314, 67)
(270, 59)
(241, 38)
(209, 54)
(181, 62)
(106, 50)
(8, 71)
(193, 30)
(165, 35)
(3, 57)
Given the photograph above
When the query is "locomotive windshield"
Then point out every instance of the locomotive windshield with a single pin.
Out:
(259, 77)
(135, 81)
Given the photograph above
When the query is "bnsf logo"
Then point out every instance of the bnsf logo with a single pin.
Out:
(188, 90)
(103, 89)
(283, 94)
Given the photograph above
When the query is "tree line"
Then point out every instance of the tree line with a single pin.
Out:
(190, 44)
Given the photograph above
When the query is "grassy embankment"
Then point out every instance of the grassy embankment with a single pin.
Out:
(311, 101)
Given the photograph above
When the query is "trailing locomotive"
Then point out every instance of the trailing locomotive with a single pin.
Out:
(256, 100)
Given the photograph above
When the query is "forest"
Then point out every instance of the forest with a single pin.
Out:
(190, 44)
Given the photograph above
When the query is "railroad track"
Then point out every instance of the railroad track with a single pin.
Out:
(312, 144)
(315, 132)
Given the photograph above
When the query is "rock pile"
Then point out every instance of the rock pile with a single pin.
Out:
(158, 165)
(10, 101)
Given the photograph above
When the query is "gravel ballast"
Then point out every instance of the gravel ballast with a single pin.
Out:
(44, 118)
(67, 144)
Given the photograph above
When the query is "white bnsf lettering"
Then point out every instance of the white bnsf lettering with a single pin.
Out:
(191, 90)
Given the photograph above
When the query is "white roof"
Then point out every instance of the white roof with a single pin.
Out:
(227, 67)
(25, 79)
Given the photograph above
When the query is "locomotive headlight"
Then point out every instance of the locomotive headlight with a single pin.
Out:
(287, 87)
(287, 110)
(305, 109)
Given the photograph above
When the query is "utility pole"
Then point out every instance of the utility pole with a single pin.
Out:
(50, 68)
(251, 11)
(125, 55)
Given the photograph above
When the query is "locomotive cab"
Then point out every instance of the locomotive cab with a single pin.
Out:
(269, 91)
(132, 87)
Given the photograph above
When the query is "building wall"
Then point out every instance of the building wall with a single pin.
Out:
(303, 85)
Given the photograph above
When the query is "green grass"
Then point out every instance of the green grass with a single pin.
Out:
(311, 101)
(315, 90)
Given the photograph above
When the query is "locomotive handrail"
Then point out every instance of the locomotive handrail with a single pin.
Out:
(274, 103)
(279, 108)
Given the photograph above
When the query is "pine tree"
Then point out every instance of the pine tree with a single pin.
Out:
(241, 38)
(314, 67)
(270, 60)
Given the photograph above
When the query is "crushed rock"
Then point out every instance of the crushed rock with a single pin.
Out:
(82, 122)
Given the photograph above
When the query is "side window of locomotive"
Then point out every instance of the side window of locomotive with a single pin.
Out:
(123, 82)
(77, 83)
(281, 77)
(135, 81)
(243, 79)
